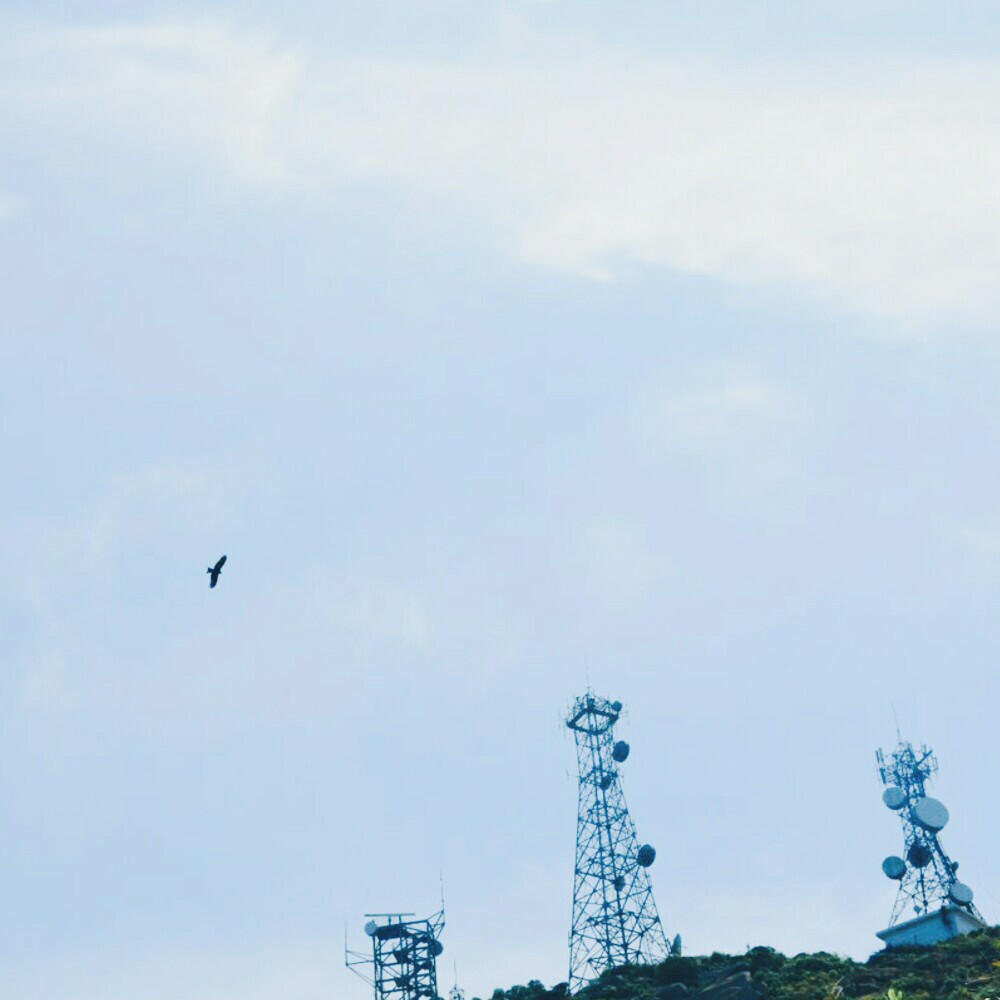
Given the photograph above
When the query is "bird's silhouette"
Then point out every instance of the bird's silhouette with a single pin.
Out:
(215, 571)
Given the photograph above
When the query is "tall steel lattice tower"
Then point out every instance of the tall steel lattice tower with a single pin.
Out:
(926, 875)
(614, 915)
(403, 961)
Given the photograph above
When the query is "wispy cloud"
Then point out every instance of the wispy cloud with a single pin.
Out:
(621, 565)
(67, 565)
(726, 413)
(869, 186)
(196, 88)
(975, 542)
(135, 503)
(9, 206)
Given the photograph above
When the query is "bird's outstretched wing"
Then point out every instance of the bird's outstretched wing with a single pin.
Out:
(215, 571)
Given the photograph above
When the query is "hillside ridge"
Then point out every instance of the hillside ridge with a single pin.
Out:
(965, 968)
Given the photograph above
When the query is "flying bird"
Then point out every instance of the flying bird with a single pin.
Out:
(215, 571)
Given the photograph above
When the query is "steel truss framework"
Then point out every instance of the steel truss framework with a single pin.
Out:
(403, 962)
(924, 887)
(615, 921)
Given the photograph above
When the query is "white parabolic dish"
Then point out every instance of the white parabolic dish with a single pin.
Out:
(960, 893)
(930, 814)
(894, 798)
(894, 867)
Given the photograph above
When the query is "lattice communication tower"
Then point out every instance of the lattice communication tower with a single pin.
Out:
(402, 964)
(926, 875)
(615, 921)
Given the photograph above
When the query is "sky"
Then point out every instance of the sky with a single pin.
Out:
(506, 348)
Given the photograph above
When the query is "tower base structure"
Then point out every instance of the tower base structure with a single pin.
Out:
(930, 928)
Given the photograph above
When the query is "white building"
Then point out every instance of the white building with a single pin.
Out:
(929, 928)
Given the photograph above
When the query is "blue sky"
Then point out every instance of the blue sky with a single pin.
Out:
(502, 346)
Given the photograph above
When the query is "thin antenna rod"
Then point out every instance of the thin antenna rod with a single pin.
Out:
(895, 718)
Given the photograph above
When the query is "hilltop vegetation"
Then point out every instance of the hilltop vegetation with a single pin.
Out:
(967, 968)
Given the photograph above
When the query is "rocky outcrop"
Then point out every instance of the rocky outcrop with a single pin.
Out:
(730, 987)
(734, 987)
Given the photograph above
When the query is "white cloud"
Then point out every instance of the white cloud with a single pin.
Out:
(730, 413)
(871, 186)
(391, 613)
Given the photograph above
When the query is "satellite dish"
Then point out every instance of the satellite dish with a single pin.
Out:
(619, 882)
(620, 752)
(960, 893)
(436, 947)
(370, 928)
(918, 856)
(606, 781)
(647, 855)
(894, 798)
(930, 814)
(616, 706)
(894, 868)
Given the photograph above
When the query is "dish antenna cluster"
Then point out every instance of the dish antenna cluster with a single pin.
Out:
(926, 875)
(402, 964)
(615, 921)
